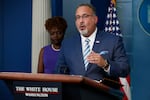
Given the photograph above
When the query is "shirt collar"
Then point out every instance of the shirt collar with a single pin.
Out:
(91, 37)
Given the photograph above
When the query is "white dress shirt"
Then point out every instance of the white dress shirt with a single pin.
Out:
(91, 43)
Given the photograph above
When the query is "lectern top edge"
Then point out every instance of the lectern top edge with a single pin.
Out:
(40, 77)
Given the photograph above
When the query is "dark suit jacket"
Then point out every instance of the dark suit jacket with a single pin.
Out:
(71, 56)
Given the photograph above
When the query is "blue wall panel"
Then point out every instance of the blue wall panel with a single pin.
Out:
(141, 50)
(1, 36)
(15, 39)
(17, 35)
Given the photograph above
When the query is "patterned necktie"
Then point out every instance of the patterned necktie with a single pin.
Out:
(86, 52)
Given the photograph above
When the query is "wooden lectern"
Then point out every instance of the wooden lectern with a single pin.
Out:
(29, 86)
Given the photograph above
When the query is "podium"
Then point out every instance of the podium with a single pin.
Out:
(30, 86)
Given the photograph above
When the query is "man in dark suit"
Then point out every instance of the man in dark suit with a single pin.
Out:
(107, 57)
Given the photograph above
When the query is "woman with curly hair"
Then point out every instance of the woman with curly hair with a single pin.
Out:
(56, 27)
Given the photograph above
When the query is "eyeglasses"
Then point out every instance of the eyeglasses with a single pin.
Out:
(85, 16)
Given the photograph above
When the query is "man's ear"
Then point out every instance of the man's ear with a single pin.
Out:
(96, 20)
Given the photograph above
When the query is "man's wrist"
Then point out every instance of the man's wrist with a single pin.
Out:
(105, 67)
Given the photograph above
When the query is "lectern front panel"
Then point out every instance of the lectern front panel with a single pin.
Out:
(28, 90)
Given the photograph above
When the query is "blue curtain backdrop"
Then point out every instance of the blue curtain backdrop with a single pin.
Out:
(101, 9)
(56, 7)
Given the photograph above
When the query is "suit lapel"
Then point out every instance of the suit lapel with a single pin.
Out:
(97, 42)
(79, 56)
